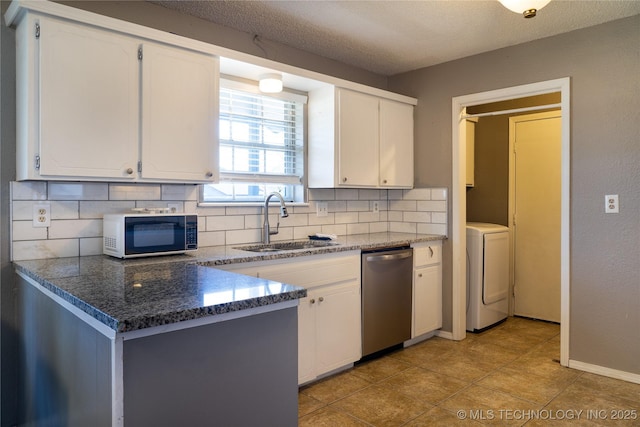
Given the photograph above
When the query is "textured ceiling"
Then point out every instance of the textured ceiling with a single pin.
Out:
(390, 37)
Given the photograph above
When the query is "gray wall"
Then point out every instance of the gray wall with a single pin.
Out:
(604, 64)
(155, 16)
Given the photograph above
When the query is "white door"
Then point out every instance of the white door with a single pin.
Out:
(535, 191)
(396, 144)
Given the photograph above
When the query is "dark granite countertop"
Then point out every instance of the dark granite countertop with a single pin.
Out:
(128, 295)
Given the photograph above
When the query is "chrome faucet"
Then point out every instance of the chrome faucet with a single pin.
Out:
(266, 231)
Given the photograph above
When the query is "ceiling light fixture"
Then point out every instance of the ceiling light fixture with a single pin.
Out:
(270, 83)
(528, 8)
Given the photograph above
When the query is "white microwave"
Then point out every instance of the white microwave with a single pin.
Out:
(139, 235)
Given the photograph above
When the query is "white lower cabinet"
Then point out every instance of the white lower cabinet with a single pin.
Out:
(329, 319)
(427, 288)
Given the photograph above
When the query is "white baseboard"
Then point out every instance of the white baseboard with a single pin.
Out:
(445, 334)
(607, 372)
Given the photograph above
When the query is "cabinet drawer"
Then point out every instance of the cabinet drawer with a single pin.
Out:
(427, 254)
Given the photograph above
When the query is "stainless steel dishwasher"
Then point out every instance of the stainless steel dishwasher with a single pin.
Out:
(386, 298)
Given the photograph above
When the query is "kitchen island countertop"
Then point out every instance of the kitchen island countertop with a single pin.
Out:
(129, 295)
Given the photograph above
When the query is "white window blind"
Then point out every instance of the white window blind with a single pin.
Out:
(261, 145)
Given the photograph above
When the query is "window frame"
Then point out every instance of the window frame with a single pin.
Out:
(298, 184)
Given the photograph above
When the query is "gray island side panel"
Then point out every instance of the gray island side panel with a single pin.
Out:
(64, 371)
(242, 372)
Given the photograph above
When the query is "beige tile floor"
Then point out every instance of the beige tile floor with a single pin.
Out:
(508, 375)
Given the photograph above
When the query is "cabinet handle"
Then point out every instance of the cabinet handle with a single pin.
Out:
(431, 251)
(384, 181)
(129, 171)
(419, 274)
(344, 179)
(209, 174)
(313, 301)
(321, 299)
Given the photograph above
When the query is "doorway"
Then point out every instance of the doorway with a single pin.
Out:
(534, 214)
(458, 199)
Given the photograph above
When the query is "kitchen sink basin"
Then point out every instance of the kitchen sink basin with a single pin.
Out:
(286, 246)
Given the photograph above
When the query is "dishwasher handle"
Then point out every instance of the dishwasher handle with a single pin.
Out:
(389, 257)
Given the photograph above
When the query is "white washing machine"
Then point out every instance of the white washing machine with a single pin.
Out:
(487, 274)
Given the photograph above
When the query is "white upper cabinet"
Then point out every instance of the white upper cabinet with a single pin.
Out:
(85, 83)
(179, 114)
(91, 107)
(359, 140)
(396, 144)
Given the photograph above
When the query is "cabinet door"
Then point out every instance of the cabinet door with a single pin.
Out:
(338, 320)
(358, 138)
(427, 299)
(179, 114)
(307, 337)
(88, 102)
(396, 144)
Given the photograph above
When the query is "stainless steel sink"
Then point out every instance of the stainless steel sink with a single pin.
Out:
(286, 246)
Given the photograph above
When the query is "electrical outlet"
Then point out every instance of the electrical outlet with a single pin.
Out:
(611, 204)
(174, 207)
(42, 214)
(322, 209)
(375, 206)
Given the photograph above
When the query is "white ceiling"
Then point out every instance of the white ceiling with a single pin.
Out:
(390, 37)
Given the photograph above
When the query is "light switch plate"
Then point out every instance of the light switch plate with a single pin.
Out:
(322, 209)
(611, 204)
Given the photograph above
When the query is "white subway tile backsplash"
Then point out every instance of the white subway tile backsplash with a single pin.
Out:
(356, 228)
(240, 237)
(347, 194)
(179, 192)
(337, 206)
(438, 194)
(211, 238)
(432, 229)
(337, 229)
(24, 230)
(346, 218)
(69, 229)
(357, 205)
(395, 194)
(93, 209)
(417, 217)
(321, 220)
(28, 190)
(432, 205)
(378, 227)
(77, 210)
(304, 232)
(417, 194)
(65, 210)
(22, 210)
(45, 249)
(368, 216)
(322, 194)
(134, 192)
(91, 246)
(439, 217)
(403, 205)
(365, 194)
(403, 227)
(219, 223)
(78, 191)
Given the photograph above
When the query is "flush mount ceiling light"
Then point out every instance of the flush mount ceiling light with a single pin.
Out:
(528, 8)
(270, 83)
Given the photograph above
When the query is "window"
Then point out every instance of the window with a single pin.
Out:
(261, 145)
